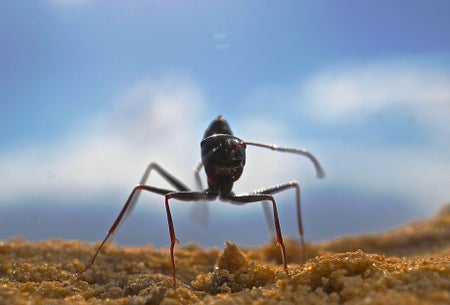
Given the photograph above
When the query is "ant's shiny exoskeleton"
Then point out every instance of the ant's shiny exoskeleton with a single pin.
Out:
(223, 157)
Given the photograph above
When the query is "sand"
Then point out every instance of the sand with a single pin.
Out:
(407, 265)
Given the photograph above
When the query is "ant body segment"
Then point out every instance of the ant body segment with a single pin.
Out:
(223, 157)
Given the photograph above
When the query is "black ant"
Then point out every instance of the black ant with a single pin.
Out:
(223, 156)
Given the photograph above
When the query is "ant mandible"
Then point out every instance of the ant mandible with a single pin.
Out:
(223, 157)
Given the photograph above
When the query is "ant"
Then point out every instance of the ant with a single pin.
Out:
(223, 157)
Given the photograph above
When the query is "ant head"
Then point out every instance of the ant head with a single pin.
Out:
(218, 126)
(223, 157)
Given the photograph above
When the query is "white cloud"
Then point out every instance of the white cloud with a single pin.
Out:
(354, 95)
(349, 94)
(420, 176)
(152, 121)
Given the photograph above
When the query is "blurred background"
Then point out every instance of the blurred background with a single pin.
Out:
(90, 93)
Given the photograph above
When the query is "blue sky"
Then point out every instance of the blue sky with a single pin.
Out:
(91, 93)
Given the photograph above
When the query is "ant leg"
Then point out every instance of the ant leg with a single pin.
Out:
(283, 187)
(185, 196)
(173, 239)
(257, 197)
(198, 179)
(200, 212)
(269, 218)
(177, 184)
(119, 218)
(165, 174)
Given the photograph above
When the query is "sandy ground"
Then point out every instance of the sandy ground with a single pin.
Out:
(407, 265)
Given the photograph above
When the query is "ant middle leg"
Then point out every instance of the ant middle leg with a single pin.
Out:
(176, 183)
(258, 197)
(200, 212)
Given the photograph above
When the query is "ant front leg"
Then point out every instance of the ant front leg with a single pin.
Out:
(123, 212)
(258, 197)
(184, 196)
(280, 188)
(133, 198)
